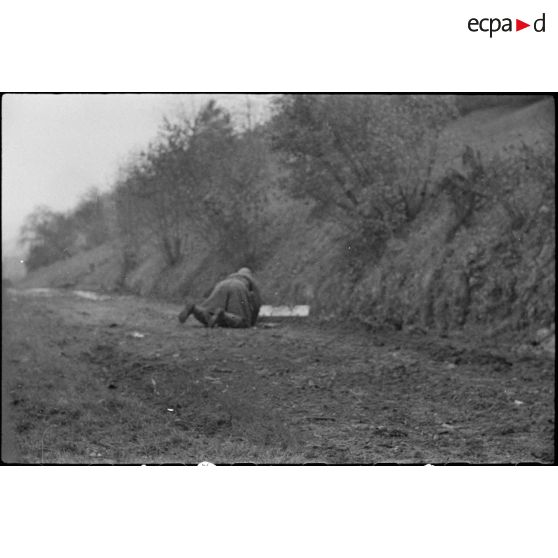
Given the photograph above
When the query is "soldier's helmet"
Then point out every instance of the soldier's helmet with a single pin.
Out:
(245, 271)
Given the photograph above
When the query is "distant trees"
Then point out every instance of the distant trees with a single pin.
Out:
(48, 236)
(239, 207)
(198, 177)
(51, 236)
(366, 160)
(92, 219)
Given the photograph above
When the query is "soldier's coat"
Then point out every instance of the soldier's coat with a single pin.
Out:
(237, 294)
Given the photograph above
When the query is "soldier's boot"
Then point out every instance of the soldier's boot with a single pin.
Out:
(201, 314)
(183, 316)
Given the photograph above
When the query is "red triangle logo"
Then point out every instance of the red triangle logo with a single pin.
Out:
(519, 25)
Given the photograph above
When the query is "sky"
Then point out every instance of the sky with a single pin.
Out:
(56, 147)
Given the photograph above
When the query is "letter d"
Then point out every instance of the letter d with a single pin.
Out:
(541, 30)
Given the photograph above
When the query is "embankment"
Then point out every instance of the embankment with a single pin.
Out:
(492, 271)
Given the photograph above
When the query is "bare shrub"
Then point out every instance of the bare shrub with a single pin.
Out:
(502, 182)
(364, 160)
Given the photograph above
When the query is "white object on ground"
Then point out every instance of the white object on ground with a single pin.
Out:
(137, 334)
(90, 295)
(300, 310)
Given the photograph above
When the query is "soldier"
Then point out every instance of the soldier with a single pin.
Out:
(233, 302)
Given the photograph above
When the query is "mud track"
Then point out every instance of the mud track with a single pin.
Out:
(119, 380)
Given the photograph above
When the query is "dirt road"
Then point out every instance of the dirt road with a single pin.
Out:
(119, 380)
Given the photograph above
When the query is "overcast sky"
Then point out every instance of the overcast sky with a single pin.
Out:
(56, 147)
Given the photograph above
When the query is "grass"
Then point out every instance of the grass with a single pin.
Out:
(69, 410)
(82, 391)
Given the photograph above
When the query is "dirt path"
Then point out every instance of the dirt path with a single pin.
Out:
(121, 381)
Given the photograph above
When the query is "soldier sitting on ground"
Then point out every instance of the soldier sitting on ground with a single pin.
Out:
(233, 302)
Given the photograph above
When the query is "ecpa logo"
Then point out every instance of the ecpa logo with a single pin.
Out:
(492, 25)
